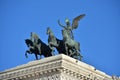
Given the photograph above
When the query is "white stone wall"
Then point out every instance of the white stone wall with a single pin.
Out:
(60, 67)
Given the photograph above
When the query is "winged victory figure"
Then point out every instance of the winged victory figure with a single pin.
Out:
(74, 25)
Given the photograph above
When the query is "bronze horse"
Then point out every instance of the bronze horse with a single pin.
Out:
(60, 46)
(55, 42)
(71, 45)
(44, 49)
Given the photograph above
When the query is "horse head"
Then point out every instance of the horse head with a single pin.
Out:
(28, 42)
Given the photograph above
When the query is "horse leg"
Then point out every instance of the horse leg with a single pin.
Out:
(27, 51)
(39, 48)
(53, 52)
(50, 43)
(74, 53)
(36, 56)
(52, 48)
(71, 53)
(80, 57)
(78, 48)
(26, 54)
(66, 48)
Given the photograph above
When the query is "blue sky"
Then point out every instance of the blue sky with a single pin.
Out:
(98, 32)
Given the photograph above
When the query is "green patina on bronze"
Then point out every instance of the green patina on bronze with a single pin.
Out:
(66, 46)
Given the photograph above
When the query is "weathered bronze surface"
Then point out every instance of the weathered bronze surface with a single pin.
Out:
(37, 47)
(66, 46)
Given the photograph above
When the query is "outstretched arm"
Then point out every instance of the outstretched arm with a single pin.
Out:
(61, 24)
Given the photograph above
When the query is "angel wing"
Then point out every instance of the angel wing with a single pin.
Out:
(75, 21)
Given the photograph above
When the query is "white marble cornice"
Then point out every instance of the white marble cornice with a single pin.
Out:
(59, 66)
